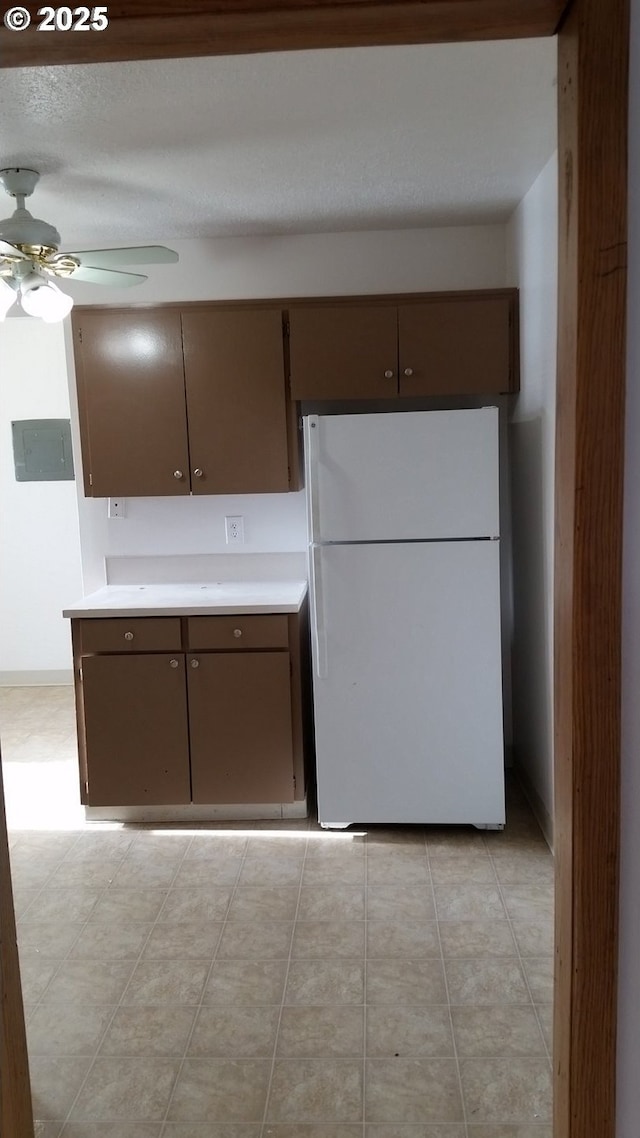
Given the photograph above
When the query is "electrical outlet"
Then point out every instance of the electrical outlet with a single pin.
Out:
(234, 530)
(116, 508)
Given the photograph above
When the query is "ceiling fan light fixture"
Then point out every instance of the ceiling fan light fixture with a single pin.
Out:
(29, 253)
(44, 299)
(8, 296)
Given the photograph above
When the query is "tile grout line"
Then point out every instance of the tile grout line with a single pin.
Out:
(67, 956)
(119, 1003)
(523, 970)
(76, 843)
(284, 992)
(200, 1005)
(447, 993)
(162, 1127)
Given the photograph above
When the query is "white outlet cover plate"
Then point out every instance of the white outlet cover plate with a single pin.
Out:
(234, 529)
(116, 508)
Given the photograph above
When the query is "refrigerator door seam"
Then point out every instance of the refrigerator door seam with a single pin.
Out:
(412, 541)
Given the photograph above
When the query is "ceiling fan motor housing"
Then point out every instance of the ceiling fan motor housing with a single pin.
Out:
(18, 181)
(22, 228)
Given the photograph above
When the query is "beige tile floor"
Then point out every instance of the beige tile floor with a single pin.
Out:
(274, 981)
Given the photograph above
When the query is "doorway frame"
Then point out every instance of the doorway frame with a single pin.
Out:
(593, 42)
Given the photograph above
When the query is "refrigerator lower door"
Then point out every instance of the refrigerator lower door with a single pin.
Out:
(408, 683)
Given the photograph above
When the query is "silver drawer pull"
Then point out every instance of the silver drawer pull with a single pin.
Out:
(195, 663)
(173, 663)
(408, 371)
(388, 374)
(128, 636)
(198, 472)
(178, 474)
(237, 632)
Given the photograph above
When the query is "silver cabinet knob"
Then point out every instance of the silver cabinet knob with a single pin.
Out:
(408, 371)
(178, 474)
(198, 472)
(237, 632)
(195, 663)
(173, 663)
(388, 374)
(128, 636)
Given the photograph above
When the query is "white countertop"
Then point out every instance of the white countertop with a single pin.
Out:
(207, 599)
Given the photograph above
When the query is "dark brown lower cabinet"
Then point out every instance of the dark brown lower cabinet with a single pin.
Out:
(240, 727)
(217, 721)
(136, 733)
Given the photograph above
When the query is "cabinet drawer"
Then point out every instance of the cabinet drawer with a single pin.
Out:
(237, 632)
(140, 634)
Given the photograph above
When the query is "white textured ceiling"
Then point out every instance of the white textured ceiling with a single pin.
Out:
(367, 138)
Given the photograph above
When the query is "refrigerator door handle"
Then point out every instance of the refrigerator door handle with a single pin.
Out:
(317, 616)
(312, 452)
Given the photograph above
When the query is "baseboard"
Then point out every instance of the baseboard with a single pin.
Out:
(186, 814)
(29, 679)
(543, 817)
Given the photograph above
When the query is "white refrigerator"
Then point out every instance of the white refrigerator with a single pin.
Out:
(405, 607)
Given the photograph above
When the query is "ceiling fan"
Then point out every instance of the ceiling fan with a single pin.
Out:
(30, 260)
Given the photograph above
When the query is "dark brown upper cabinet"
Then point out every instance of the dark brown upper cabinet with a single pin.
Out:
(439, 344)
(133, 422)
(178, 402)
(455, 346)
(236, 400)
(343, 351)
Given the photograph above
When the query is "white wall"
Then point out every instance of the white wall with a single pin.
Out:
(628, 1112)
(532, 265)
(39, 539)
(318, 264)
(245, 268)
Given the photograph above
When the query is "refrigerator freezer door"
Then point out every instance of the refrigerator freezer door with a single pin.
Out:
(403, 476)
(408, 705)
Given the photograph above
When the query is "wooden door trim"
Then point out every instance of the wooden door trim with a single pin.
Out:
(169, 30)
(593, 108)
(591, 378)
(16, 1112)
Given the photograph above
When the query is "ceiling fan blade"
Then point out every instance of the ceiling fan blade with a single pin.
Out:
(8, 250)
(95, 275)
(139, 255)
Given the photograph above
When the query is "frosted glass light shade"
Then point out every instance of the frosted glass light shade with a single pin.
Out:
(47, 302)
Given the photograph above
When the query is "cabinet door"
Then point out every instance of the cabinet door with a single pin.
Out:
(240, 727)
(235, 378)
(455, 346)
(135, 713)
(344, 352)
(132, 408)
